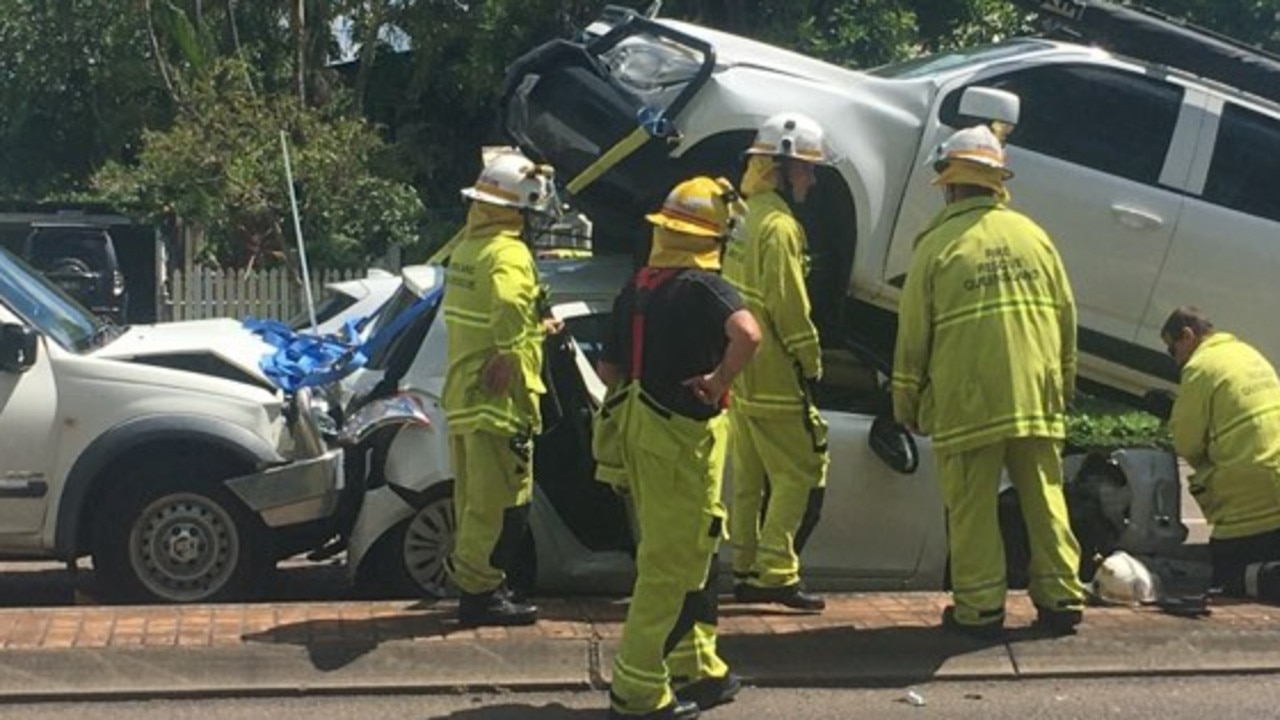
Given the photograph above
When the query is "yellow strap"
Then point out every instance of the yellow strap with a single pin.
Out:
(439, 256)
(613, 156)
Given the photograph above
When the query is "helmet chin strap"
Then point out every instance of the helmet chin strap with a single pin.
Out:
(784, 180)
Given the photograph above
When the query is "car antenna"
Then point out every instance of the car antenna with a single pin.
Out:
(652, 11)
(297, 231)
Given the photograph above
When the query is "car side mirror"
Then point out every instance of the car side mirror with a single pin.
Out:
(894, 444)
(991, 104)
(18, 347)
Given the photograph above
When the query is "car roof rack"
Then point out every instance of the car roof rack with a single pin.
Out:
(1150, 35)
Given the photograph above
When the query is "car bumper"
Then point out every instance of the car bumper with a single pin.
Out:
(301, 491)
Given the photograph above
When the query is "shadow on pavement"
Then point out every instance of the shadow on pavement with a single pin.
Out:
(878, 657)
(333, 644)
(554, 711)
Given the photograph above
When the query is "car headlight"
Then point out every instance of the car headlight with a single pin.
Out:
(307, 418)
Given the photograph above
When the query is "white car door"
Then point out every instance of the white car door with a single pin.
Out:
(28, 441)
(879, 529)
(1100, 153)
(1224, 257)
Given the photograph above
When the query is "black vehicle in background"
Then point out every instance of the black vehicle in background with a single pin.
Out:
(114, 264)
(82, 261)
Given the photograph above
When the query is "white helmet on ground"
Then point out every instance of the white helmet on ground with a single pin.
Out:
(1122, 579)
(792, 135)
(510, 179)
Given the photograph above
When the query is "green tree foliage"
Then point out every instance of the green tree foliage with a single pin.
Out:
(220, 164)
(82, 81)
(76, 89)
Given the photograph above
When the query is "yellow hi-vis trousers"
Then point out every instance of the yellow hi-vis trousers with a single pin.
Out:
(674, 467)
(492, 473)
(783, 452)
(970, 485)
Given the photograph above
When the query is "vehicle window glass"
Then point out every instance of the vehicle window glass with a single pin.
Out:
(329, 306)
(956, 59)
(590, 332)
(391, 309)
(1245, 159)
(1109, 120)
(49, 247)
(47, 308)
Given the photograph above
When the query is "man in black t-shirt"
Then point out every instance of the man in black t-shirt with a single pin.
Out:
(680, 335)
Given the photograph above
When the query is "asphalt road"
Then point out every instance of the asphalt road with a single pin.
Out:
(1193, 698)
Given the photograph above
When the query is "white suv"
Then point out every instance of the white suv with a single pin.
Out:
(1156, 185)
(162, 451)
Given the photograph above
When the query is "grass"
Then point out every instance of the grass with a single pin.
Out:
(1095, 423)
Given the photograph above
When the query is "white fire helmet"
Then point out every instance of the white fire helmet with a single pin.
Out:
(793, 135)
(1122, 579)
(978, 145)
(510, 179)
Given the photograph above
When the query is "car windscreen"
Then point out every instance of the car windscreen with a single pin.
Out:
(955, 59)
(332, 303)
(47, 308)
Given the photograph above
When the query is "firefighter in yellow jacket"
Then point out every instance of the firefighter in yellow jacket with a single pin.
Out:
(1226, 424)
(985, 363)
(680, 335)
(779, 442)
(494, 320)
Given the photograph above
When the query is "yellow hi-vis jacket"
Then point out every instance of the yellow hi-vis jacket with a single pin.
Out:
(1226, 423)
(767, 267)
(986, 346)
(491, 306)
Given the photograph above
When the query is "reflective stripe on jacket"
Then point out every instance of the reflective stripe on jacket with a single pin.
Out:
(490, 306)
(767, 266)
(986, 345)
(1226, 424)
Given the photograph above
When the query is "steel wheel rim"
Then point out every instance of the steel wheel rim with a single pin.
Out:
(184, 547)
(428, 542)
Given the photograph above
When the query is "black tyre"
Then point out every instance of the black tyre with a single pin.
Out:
(171, 537)
(409, 559)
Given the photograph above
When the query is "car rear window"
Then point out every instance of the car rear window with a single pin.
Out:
(48, 247)
(1245, 158)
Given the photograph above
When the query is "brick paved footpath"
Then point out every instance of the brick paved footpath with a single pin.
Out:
(232, 625)
(411, 646)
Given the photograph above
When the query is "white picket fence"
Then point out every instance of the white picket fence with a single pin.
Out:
(276, 293)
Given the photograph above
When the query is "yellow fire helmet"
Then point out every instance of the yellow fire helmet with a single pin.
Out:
(701, 207)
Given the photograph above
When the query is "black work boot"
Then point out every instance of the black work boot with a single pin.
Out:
(678, 710)
(986, 631)
(1057, 622)
(711, 691)
(793, 596)
(494, 608)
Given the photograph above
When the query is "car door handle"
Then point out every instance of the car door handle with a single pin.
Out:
(1136, 219)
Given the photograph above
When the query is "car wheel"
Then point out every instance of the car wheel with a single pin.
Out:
(178, 542)
(409, 559)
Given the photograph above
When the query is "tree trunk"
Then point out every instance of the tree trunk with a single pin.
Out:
(298, 20)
